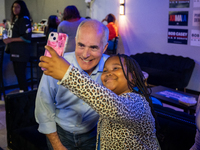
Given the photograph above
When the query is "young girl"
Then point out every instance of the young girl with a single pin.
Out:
(19, 39)
(126, 121)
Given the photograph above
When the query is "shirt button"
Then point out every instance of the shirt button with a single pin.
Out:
(76, 125)
(83, 103)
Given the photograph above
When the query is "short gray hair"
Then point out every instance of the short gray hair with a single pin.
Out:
(96, 25)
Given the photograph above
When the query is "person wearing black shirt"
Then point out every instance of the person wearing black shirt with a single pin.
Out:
(19, 39)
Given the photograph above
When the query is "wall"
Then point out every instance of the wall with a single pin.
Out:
(42, 9)
(39, 9)
(2, 10)
(144, 29)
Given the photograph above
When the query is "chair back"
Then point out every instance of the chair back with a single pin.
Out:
(115, 44)
(114, 49)
(1, 54)
(2, 90)
(40, 49)
(34, 68)
(22, 133)
(40, 52)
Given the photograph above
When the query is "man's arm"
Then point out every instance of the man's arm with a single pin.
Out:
(45, 111)
(55, 141)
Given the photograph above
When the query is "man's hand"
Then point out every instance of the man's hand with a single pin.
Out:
(55, 66)
(55, 141)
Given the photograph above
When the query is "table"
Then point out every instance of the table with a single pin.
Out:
(158, 91)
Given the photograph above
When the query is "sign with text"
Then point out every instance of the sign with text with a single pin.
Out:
(196, 18)
(195, 38)
(178, 36)
(196, 3)
(179, 3)
(178, 18)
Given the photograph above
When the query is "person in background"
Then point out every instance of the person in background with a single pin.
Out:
(69, 25)
(19, 39)
(196, 145)
(87, 17)
(52, 25)
(68, 122)
(124, 104)
(113, 30)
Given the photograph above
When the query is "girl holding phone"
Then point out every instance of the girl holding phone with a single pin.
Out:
(126, 115)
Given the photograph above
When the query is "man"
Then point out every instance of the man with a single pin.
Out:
(67, 121)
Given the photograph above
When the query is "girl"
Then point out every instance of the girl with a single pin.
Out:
(19, 41)
(126, 121)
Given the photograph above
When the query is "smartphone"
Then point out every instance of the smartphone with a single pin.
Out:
(58, 42)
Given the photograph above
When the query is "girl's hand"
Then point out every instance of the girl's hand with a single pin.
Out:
(55, 66)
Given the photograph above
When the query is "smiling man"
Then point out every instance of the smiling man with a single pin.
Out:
(67, 121)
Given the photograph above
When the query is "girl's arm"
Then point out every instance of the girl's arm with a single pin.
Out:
(106, 103)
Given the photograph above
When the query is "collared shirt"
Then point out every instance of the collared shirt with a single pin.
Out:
(56, 104)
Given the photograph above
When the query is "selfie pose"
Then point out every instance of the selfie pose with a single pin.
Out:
(126, 120)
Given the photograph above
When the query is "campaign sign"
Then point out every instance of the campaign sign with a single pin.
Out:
(196, 18)
(195, 38)
(178, 36)
(196, 3)
(178, 18)
(179, 3)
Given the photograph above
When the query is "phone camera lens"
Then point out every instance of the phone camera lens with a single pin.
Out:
(52, 34)
(54, 38)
